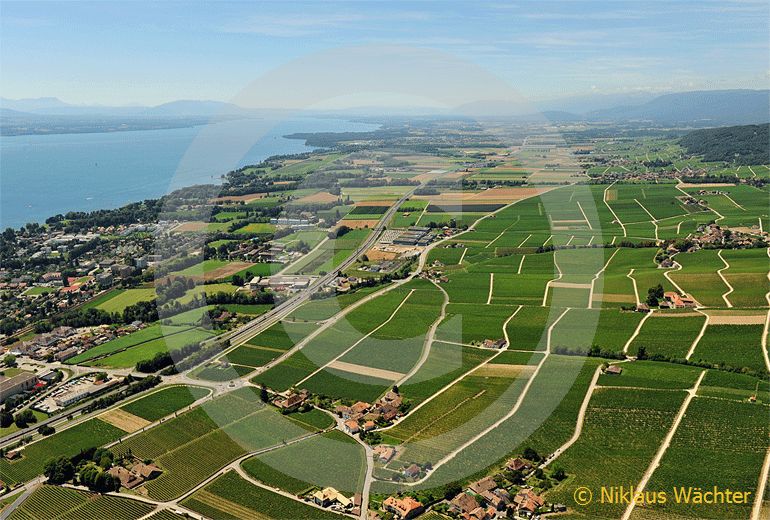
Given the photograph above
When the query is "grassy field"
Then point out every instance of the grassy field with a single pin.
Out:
(729, 385)
(445, 363)
(164, 402)
(457, 414)
(469, 323)
(748, 276)
(699, 277)
(123, 298)
(231, 497)
(145, 335)
(57, 503)
(131, 354)
(609, 329)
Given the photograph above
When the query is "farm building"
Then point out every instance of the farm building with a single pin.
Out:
(405, 508)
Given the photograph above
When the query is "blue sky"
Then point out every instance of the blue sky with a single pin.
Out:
(133, 52)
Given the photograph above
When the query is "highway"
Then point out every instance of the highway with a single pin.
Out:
(260, 323)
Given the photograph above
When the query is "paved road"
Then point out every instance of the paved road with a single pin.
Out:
(257, 325)
(691, 393)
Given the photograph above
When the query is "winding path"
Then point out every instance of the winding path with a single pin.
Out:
(617, 218)
(722, 276)
(426, 346)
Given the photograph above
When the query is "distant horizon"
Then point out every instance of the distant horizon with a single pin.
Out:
(147, 54)
(612, 100)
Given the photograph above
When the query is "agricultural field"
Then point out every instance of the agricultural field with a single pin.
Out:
(638, 420)
(551, 248)
(125, 355)
(58, 503)
(459, 413)
(735, 346)
(708, 451)
(122, 298)
(197, 443)
(164, 402)
(331, 459)
(671, 335)
(232, 497)
(69, 442)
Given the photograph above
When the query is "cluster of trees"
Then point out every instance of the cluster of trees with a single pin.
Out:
(654, 295)
(21, 419)
(657, 163)
(89, 466)
(141, 311)
(338, 232)
(742, 145)
(74, 221)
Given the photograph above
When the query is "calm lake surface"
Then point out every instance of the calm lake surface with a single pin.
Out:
(43, 175)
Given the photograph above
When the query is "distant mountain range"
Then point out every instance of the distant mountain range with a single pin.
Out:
(703, 106)
(696, 108)
(52, 106)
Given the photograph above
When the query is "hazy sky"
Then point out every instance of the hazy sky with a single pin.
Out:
(117, 53)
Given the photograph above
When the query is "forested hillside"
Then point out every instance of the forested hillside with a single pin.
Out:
(746, 145)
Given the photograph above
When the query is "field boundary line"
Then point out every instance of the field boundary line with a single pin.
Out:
(653, 220)
(699, 336)
(462, 257)
(548, 285)
(429, 337)
(722, 276)
(424, 210)
(525, 240)
(579, 422)
(491, 287)
(667, 275)
(584, 215)
(597, 275)
(764, 475)
(664, 445)
(636, 331)
(518, 218)
(604, 199)
(521, 264)
(360, 340)
(633, 281)
(728, 197)
(303, 257)
(457, 379)
(504, 418)
(767, 325)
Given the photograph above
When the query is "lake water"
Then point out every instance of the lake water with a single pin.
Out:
(43, 175)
